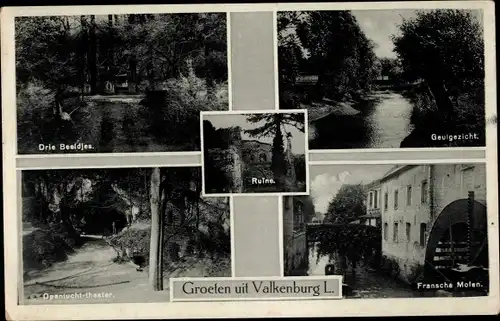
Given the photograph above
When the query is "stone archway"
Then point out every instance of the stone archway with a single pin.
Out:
(455, 215)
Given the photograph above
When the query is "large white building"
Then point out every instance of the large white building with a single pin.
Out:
(423, 207)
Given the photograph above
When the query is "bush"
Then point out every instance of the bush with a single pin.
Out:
(177, 116)
(468, 117)
(44, 247)
(35, 104)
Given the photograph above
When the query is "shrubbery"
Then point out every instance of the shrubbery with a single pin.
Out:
(35, 105)
(44, 247)
(177, 116)
(468, 117)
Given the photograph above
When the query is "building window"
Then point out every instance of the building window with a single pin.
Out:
(386, 201)
(423, 234)
(425, 191)
(386, 231)
(408, 232)
(408, 195)
(370, 202)
(375, 199)
(395, 233)
(396, 196)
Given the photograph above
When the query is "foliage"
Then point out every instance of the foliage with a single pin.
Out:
(273, 125)
(391, 68)
(182, 53)
(176, 117)
(43, 247)
(272, 121)
(53, 49)
(34, 107)
(444, 49)
(44, 51)
(214, 235)
(447, 44)
(332, 46)
(352, 241)
(63, 203)
(347, 205)
(290, 55)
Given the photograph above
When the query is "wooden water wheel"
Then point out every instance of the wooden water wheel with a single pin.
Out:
(458, 238)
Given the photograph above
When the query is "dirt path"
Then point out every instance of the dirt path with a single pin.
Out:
(91, 276)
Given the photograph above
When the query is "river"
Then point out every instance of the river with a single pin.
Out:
(383, 122)
(365, 284)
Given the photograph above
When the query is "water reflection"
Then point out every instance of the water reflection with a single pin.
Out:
(383, 122)
(365, 283)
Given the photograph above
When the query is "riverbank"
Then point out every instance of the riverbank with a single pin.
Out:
(380, 119)
(326, 107)
(464, 127)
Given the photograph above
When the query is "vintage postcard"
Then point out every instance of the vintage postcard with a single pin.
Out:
(250, 160)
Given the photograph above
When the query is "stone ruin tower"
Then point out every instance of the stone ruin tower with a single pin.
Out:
(236, 159)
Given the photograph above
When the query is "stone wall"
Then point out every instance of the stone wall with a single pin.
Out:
(445, 184)
(255, 152)
(294, 240)
(230, 162)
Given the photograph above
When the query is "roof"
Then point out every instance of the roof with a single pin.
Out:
(373, 215)
(255, 141)
(396, 170)
(372, 184)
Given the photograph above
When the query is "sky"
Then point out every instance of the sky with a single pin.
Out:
(233, 120)
(379, 25)
(326, 180)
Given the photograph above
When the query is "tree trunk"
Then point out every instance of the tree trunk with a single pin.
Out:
(93, 56)
(83, 54)
(155, 250)
(198, 233)
(442, 97)
(209, 79)
(111, 53)
(278, 164)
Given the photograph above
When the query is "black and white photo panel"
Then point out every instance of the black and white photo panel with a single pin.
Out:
(118, 83)
(381, 79)
(257, 152)
(118, 235)
(392, 231)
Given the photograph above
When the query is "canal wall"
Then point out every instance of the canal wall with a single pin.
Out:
(413, 197)
(295, 213)
(296, 256)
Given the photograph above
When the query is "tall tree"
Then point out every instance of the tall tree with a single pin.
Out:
(329, 44)
(92, 61)
(347, 204)
(273, 125)
(445, 48)
(156, 243)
